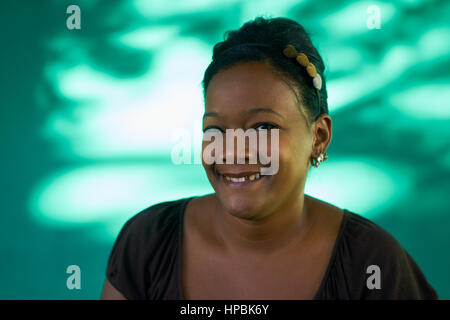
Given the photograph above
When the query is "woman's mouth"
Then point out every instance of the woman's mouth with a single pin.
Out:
(237, 181)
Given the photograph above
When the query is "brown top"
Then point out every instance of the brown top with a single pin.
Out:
(146, 260)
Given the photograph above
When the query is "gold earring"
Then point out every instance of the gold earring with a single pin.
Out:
(321, 158)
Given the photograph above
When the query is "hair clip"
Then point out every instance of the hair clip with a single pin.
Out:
(290, 52)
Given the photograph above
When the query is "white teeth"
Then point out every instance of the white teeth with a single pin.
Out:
(242, 179)
(236, 179)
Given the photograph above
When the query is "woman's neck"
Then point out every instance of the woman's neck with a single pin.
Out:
(280, 229)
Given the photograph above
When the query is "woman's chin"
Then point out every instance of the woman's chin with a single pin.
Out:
(240, 207)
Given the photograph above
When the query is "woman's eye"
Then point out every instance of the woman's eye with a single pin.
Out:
(265, 125)
(212, 129)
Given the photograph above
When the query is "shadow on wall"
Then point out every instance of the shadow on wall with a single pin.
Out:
(84, 126)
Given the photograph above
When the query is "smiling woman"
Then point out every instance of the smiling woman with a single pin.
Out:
(258, 236)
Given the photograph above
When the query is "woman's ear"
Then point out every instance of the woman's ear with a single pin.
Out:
(322, 134)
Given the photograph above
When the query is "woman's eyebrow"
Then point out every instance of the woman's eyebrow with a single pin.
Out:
(256, 110)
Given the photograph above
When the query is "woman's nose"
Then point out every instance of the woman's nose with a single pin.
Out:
(240, 147)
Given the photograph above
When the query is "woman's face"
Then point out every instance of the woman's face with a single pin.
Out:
(251, 95)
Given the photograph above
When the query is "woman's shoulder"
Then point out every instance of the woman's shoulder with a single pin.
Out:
(364, 233)
(151, 226)
(379, 266)
(368, 262)
(146, 241)
(369, 244)
(352, 229)
(350, 225)
(157, 216)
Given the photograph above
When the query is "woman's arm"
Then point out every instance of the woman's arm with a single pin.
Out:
(111, 293)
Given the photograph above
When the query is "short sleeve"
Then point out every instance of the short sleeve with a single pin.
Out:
(143, 263)
(124, 270)
(401, 277)
(386, 270)
(370, 264)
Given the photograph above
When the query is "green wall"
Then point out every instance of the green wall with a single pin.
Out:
(89, 117)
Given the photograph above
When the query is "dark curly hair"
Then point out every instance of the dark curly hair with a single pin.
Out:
(263, 39)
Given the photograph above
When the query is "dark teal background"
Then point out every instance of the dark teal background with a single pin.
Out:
(89, 119)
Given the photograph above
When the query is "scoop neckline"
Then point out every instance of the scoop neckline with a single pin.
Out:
(330, 265)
